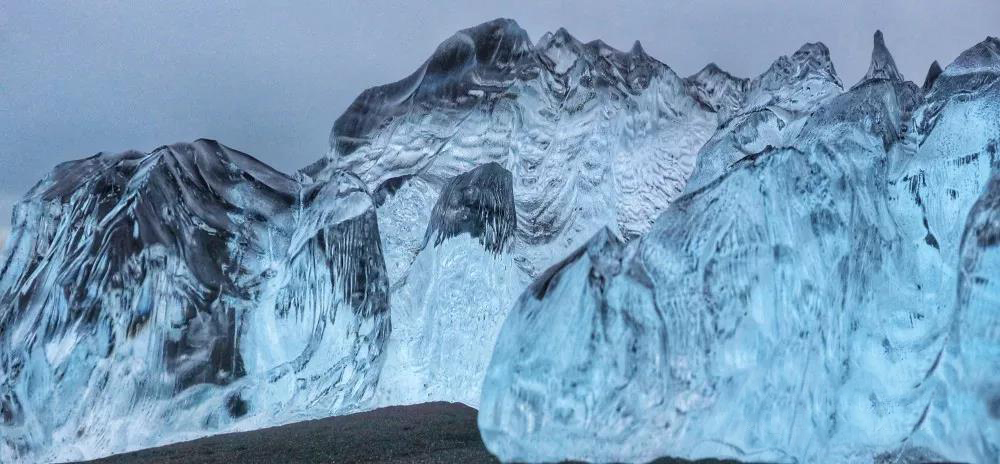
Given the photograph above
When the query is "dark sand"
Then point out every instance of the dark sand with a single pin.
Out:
(423, 433)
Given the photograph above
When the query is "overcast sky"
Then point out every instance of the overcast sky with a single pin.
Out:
(81, 77)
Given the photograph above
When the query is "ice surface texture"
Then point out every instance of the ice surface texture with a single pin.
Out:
(637, 264)
(828, 299)
(479, 203)
(586, 136)
(448, 309)
(152, 297)
(591, 135)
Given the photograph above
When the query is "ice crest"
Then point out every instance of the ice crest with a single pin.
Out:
(472, 65)
(772, 109)
(932, 74)
(810, 287)
(612, 262)
(718, 90)
(796, 84)
(609, 138)
(984, 57)
(560, 51)
(149, 298)
(882, 65)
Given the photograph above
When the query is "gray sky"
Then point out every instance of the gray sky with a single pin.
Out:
(80, 77)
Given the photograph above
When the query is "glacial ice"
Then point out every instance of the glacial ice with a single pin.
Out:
(248, 256)
(449, 306)
(589, 136)
(830, 299)
(882, 66)
(718, 90)
(149, 298)
(613, 262)
(446, 317)
(592, 135)
(932, 74)
(770, 111)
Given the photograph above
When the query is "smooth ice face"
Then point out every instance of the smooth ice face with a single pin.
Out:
(828, 301)
(447, 314)
(479, 203)
(593, 136)
(586, 137)
(449, 305)
(148, 298)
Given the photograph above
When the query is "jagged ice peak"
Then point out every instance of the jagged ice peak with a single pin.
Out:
(882, 65)
(932, 74)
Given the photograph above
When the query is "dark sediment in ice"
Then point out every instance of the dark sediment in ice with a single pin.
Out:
(479, 202)
(932, 74)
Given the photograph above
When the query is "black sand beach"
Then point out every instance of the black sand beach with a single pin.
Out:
(423, 433)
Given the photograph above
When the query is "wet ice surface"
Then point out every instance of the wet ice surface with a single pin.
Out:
(613, 262)
(449, 306)
(827, 300)
(588, 136)
(153, 297)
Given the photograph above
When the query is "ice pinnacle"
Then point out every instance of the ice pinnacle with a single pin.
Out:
(882, 65)
(932, 75)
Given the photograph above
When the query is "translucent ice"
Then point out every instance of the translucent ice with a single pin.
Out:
(614, 262)
(832, 300)
(449, 305)
(592, 135)
(588, 136)
(770, 111)
(147, 298)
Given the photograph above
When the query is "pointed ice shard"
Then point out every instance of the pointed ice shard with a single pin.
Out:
(634, 69)
(637, 49)
(932, 75)
(560, 51)
(882, 65)
(718, 90)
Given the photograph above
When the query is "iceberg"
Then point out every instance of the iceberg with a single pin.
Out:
(591, 135)
(586, 136)
(448, 308)
(149, 298)
(614, 263)
(830, 299)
